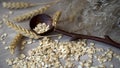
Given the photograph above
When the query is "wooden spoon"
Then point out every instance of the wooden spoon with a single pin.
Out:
(44, 18)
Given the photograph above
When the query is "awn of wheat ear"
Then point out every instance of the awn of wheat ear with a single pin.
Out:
(56, 17)
(22, 30)
(15, 42)
(30, 14)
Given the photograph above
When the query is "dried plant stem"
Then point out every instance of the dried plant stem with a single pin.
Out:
(30, 14)
(56, 17)
(15, 42)
(21, 30)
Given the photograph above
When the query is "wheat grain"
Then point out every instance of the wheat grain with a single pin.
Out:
(29, 15)
(15, 42)
(16, 5)
(56, 17)
(21, 30)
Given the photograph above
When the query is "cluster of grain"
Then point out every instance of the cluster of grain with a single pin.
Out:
(41, 28)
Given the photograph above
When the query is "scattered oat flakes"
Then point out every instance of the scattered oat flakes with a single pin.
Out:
(79, 66)
(3, 42)
(30, 41)
(6, 48)
(10, 12)
(60, 36)
(22, 56)
(3, 36)
(92, 43)
(111, 66)
(50, 51)
(5, 16)
(9, 62)
(102, 66)
(33, 41)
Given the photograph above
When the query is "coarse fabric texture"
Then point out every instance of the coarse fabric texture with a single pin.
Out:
(90, 17)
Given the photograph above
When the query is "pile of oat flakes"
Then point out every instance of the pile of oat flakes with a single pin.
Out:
(54, 54)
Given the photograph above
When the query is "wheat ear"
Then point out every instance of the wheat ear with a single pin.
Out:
(56, 17)
(30, 14)
(26, 32)
(14, 43)
(21, 30)
(20, 5)
(16, 5)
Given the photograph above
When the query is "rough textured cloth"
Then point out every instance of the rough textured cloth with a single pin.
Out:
(90, 17)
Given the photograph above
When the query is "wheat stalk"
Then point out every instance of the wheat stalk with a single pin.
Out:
(56, 17)
(21, 30)
(15, 42)
(29, 15)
